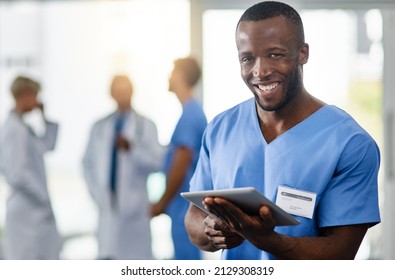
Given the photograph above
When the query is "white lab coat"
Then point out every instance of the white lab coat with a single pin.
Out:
(124, 231)
(30, 226)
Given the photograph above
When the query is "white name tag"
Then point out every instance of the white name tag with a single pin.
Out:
(295, 201)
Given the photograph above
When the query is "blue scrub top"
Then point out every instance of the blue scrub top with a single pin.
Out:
(188, 133)
(328, 154)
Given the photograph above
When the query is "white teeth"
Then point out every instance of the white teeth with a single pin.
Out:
(267, 88)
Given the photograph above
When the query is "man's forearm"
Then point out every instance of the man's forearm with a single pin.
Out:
(337, 243)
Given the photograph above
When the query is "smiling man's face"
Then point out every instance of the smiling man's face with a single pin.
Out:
(271, 59)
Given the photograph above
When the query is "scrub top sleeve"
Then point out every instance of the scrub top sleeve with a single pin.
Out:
(187, 132)
(201, 179)
(352, 195)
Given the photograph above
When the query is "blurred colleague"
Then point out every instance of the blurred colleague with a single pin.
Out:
(182, 155)
(31, 231)
(122, 151)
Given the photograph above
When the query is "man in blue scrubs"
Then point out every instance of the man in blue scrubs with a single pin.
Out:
(298, 151)
(182, 156)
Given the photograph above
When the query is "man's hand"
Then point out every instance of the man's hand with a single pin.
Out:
(156, 209)
(40, 106)
(255, 228)
(122, 143)
(220, 234)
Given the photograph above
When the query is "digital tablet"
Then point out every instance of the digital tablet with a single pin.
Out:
(247, 198)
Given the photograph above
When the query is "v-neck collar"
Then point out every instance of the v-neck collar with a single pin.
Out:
(257, 128)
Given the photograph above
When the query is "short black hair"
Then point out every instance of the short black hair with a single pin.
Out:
(269, 9)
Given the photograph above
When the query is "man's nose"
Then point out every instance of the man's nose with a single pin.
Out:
(261, 68)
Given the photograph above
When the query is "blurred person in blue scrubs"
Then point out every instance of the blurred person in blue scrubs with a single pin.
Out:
(182, 155)
(123, 150)
(30, 227)
(310, 157)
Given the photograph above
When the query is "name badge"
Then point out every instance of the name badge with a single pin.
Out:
(295, 201)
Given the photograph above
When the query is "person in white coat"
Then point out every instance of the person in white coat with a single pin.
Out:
(122, 151)
(30, 227)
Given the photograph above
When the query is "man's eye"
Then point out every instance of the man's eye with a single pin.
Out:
(247, 59)
(275, 55)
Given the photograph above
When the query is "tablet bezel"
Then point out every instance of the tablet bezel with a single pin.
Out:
(247, 198)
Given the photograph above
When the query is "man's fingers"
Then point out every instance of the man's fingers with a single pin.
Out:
(266, 215)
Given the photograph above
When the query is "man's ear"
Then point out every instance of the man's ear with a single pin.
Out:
(304, 54)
